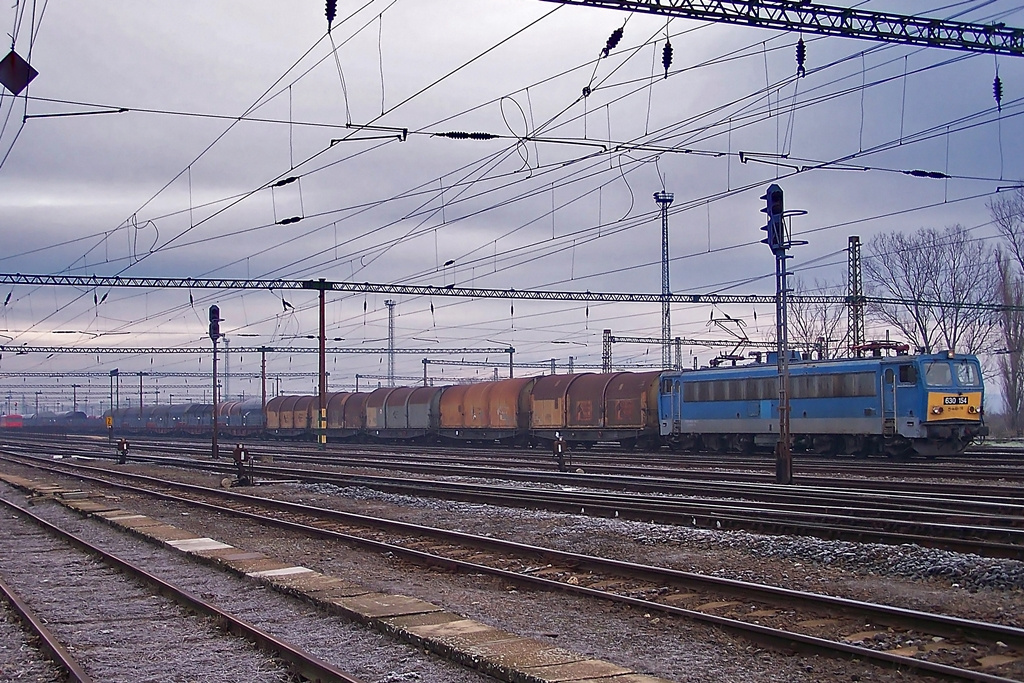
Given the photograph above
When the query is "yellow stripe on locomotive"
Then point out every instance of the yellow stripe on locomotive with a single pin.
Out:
(947, 406)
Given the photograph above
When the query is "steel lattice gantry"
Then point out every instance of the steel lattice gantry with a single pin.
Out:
(94, 281)
(157, 350)
(157, 374)
(787, 15)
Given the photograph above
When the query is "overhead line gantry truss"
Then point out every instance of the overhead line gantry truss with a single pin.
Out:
(787, 15)
(157, 350)
(96, 281)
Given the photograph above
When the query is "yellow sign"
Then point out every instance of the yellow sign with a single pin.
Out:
(942, 406)
(110, 422)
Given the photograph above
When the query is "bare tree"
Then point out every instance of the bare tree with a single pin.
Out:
(1008, 213)
(1011, 358)
(818, 326)
(927, 266)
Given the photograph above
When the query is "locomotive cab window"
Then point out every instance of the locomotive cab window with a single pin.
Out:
(967, 374)
(938, 374)
(908, 374)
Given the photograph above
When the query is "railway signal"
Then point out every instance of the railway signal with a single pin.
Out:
(779, 241)
(775, 208)
(215, 321)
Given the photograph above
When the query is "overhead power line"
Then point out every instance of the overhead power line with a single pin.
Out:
(787, 15)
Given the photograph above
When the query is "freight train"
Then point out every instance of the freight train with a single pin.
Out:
(897, 405)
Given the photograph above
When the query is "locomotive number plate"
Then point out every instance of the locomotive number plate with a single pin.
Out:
(955, 400)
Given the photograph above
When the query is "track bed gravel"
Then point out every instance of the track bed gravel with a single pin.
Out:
(351, 647)
(20, 659)
(667, 647)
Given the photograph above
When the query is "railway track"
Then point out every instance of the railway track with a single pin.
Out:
(47, 641)
(955, 648)
(988, 522)
(73, 574)
(969, 474)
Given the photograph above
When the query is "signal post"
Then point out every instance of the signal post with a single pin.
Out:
(779, 239)
(215, 321)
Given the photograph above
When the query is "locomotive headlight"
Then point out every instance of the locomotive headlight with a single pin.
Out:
(972, 410)
(937, 410)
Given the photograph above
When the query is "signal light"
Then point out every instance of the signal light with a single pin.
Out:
(215, 322)
(775, 208)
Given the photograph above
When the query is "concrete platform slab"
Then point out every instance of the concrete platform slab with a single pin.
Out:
(457, 628)
(412, 621)
(524, 653)
(318, 585)
(140, 522)
(14, 480)
(283, 571)
(231, 555)
(193, 545)
(75, 494)
(627, 678)
(119, 515)
(259, 564)
(380, 605)
(90, 506)
(166, 532)
(575, 671)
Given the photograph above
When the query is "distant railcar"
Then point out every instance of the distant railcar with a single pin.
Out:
(12, 422)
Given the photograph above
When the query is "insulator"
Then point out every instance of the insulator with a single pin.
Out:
(997, 92)
(282, 183)
(332, 9)
(289, 221)
(917, 173)
(801, 56)
(462, 135)
(613, 40)
(666, 56)
(586, 91)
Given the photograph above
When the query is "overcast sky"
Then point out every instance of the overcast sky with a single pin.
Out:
(223, 99)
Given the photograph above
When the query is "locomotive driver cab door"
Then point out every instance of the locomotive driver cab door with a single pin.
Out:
(889, 401)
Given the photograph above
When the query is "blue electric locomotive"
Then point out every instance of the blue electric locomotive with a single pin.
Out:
(926, 404)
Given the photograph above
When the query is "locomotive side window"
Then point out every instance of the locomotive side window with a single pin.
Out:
(967, 374)
(753, 392)
(865, 384)
(908, 374)
(938, 374)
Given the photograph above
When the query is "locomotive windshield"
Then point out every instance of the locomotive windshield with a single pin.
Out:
(967, 374)
(938, 373)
